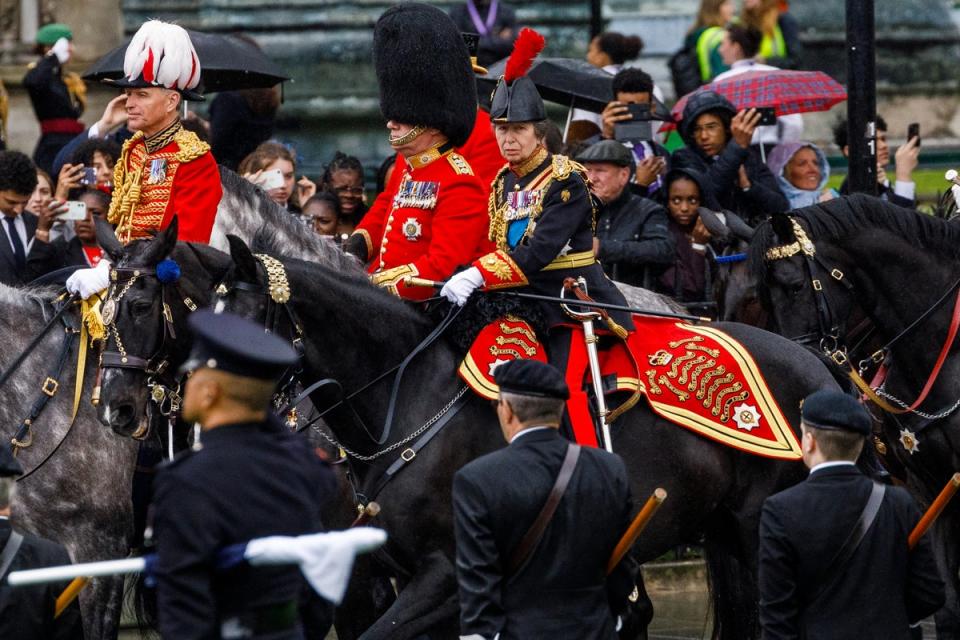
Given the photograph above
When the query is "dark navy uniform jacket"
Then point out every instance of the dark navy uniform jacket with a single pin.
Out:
(561, 591)
(883, 588)
(248, 481)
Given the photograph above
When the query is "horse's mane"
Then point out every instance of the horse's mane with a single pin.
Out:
(855, 213)
(18, 297)
(248, 213)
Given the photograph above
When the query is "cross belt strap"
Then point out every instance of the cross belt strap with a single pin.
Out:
(532, 537)
(9, 553)
(850, 545)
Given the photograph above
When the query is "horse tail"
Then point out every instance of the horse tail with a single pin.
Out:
(732, 584)
(142, 604)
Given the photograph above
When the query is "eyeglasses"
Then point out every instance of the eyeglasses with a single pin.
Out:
(354, 190)
(709, 128)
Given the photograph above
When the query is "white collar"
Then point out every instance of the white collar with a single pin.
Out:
(526, 431)
(834, 463)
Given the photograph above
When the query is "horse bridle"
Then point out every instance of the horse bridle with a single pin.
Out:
(829, 340)
(164, 388)
(277, 293)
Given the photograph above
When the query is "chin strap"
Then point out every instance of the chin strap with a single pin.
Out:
(408, 137)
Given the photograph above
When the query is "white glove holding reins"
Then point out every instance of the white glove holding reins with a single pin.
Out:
(87, 282)
(459, 287)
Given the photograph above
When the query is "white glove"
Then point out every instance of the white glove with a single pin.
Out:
(87, 282)
(61, 49)
(461, 285)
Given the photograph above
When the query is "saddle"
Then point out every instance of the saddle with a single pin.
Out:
(696, 377)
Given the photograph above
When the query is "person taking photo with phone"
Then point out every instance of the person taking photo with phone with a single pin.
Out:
(903, 190)
(633, 87)
(80, 249)
(718, 146)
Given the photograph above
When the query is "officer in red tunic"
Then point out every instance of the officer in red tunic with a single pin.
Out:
(163, 170)
(437, 218)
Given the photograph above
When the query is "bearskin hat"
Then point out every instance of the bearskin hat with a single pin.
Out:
(424, 71)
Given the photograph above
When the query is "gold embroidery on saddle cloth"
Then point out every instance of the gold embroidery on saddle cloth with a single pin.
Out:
(522, 330)
(695, 369)
(140, 198)
(530, 351)
(496, 351)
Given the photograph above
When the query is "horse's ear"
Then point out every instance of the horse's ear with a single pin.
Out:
(246, 270)
(782, 227)
(107, 239)
(162, 244)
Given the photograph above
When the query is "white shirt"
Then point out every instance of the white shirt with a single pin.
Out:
(789, 128)
(526, 431)
(21, 228)
(834, 463)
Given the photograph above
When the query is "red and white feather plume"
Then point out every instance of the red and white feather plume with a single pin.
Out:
(526, 47)
(164, 55)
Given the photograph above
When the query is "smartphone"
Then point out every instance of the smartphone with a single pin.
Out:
(633, 130)
(271, 179)
(913, 131)
(639, 111)
(768, 116)
(76, 210)
(89, 176)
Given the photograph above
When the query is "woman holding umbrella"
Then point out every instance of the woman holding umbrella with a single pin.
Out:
(542, 215)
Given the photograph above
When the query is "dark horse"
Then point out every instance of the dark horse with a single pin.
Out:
(356, 332)
(900, 269)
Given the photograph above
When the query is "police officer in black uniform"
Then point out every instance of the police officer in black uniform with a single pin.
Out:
(558, 587)
(824, 575)
(249, 478)
(27, 612)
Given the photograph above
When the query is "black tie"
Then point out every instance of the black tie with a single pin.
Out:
(18, 254)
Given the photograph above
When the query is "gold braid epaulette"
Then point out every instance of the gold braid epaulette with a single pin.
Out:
(563, 167)
(191, 147)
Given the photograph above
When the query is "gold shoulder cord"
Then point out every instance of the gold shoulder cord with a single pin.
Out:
(496, 209)
(191, 147)
(126, 193)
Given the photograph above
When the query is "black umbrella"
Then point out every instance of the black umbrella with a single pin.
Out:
(570, 82)
(227, 63)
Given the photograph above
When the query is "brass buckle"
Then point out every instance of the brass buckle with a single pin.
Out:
(816, 285)
(839, 357)
(837, 274)
(877, 356)
(408, 455)
(50, 386)
(189, 304)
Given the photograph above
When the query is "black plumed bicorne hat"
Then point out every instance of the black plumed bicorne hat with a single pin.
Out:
(516, 98)
(424, 71)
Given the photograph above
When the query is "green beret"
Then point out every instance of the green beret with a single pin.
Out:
(50, 33)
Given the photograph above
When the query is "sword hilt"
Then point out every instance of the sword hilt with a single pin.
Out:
(413, 281)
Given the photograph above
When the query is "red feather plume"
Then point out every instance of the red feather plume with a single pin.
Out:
(526, 47)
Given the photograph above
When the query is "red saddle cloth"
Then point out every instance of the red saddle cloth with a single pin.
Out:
(695, 376)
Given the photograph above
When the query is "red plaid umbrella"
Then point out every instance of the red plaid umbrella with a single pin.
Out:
(786, 91)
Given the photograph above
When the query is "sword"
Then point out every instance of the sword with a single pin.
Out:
(590, 337)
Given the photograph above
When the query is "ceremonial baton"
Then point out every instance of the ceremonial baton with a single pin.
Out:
(934, 511)
(636, 527)
(412, 281)
(369, 512)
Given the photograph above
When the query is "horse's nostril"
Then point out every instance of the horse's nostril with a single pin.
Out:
(121, 415)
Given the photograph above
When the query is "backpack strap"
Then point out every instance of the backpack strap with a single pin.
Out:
(9, 553)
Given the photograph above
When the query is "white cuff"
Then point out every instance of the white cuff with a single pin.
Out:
(905, 189)
(94, 130)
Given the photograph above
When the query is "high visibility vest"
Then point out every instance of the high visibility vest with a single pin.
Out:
(708, 45)
(773, 45)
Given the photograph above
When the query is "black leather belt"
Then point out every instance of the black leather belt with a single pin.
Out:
(272, 618)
